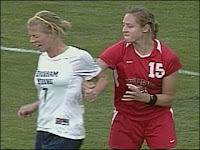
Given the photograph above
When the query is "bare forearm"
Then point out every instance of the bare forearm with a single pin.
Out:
(161, 100)
(35, 105)
(101, 84)
(102, 79)
(27, 110)
(164, 100)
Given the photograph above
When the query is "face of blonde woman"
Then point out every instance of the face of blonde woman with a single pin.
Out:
(40, 39)
(131, 30)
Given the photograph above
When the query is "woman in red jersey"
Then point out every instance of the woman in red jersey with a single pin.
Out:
(145, 74)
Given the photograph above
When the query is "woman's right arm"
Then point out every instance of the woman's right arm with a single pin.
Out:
(91, 89)
(27, 110)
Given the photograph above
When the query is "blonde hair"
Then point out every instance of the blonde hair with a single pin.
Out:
(50, 22)
(143, 17)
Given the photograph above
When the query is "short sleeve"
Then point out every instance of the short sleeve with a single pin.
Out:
(86, 66)
(173, 64)
(113, 54)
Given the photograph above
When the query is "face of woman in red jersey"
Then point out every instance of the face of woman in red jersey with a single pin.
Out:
(41, 40)
(132, 31)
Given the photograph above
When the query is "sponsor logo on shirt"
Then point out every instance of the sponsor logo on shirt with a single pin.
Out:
(172, 141)
(129, 61)
(62, 121)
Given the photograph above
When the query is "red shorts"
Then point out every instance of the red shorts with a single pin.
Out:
(159, 133)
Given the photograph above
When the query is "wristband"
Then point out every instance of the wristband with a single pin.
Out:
(153, 99)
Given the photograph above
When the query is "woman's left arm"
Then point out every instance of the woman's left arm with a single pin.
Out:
(164, 99)
(168, 90)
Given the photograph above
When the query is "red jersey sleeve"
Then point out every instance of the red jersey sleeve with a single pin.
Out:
(113, 54)
(172, 62)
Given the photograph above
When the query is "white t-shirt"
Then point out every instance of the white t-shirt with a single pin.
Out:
(58, 81)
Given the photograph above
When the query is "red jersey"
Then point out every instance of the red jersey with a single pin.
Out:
(146, 72)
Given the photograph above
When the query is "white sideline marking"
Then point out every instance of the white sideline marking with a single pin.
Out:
(19, 50)
(35, 51)
(188, 72)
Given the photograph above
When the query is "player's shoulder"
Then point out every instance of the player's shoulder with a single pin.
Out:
(164, 49)
(119, 44)
(74, 51)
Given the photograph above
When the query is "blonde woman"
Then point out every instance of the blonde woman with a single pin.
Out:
(59, 76)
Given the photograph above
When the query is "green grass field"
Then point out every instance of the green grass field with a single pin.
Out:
(95, 25)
